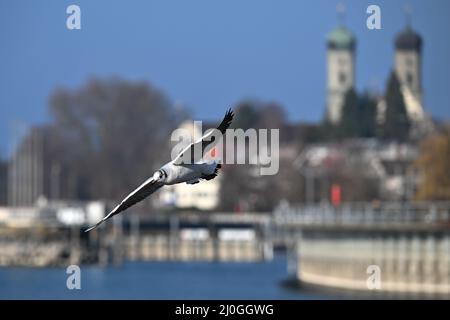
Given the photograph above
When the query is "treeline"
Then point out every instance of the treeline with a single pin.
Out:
(434, 165)
(361, 117)
(104, 138)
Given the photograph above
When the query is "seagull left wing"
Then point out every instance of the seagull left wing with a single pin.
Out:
(142, 192)
(205, 143)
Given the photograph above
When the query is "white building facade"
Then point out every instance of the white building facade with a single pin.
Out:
(204, 195)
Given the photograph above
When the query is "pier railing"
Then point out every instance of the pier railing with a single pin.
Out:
(387, 214)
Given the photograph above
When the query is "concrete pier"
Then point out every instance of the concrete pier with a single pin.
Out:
(408, 261)
(393, 249)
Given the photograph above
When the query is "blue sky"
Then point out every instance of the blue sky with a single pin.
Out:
(207, 54)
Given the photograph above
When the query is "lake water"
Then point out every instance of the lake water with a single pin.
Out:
(155, 280)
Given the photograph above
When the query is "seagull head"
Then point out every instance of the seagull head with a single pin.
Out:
(160, 175)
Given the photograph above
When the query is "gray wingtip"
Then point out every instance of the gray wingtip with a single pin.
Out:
(93, 227)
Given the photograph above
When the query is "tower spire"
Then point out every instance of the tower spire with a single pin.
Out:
(407, 9)
(340, 11)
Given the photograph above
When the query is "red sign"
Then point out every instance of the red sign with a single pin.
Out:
(336, 196)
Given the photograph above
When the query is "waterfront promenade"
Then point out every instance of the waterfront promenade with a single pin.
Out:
(33, 238)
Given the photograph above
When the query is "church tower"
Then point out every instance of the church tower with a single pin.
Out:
(340, 70)
(408, 67)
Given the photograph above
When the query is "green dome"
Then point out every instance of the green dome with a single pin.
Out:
(341, 38)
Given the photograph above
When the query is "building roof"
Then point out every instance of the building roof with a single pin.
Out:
(408, 39)
(341, 38)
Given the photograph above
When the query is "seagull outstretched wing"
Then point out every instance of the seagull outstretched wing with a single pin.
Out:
(206, 143)
(142, 192)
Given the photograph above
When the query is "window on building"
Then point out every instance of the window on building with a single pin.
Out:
(409, 79)
(342, 78)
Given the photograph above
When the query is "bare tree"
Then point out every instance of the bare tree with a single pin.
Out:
(109, 135)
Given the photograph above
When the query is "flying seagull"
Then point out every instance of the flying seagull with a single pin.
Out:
(188, 167)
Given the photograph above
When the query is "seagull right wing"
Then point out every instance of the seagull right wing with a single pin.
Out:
(205, 143)
(142, 192)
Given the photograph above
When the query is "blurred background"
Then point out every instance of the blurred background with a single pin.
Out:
(360, 206)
